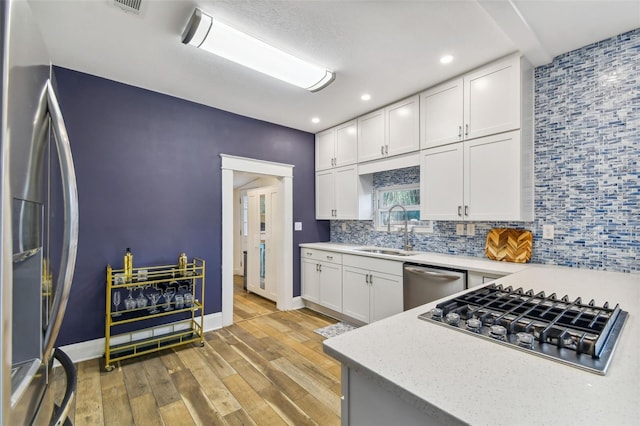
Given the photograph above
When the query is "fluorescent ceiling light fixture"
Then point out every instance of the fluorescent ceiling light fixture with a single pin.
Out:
(206, 33)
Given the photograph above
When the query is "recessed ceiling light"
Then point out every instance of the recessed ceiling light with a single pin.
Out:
(315, 120)
(446, 59)
(365, 97)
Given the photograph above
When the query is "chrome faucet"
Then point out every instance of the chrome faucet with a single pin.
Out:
(407, 247)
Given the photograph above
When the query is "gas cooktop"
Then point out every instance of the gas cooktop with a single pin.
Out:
(568, 331)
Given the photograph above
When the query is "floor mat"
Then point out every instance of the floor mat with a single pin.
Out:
(335, 329)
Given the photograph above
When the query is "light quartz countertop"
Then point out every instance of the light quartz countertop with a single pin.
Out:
(467, 263)
(457, 378)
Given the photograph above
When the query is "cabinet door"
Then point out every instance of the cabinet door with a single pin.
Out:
(492, 177)
(441, 114)
(347, 144)
(355, 293)
(441, 182)
(310, 280)
(325, 149)
(331, 286)
(325, 198)
(346, 192)
(386, 295)
(371, 136)
(403, 126)
(492, 99)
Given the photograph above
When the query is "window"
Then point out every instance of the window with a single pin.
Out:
(408, 196)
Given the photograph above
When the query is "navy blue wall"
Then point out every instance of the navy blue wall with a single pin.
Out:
(149, 178)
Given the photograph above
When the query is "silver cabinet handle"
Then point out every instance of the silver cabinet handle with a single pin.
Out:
(466, 210)
(309, 253)
(466, 130)
(386, 149)
(329, 257)
(459, 132)
(371, 279)
(460, 211)
(366, 278)
(317, 268)
(381, 149)
(49, 102)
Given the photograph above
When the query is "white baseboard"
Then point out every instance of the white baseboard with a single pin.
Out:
(92, 349)
(297, 303)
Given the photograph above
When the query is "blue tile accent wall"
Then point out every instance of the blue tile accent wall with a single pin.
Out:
(587, 168)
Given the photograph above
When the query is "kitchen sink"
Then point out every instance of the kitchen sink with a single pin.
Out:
(392, 252)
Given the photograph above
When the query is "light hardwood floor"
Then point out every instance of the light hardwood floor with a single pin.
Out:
(266, 369)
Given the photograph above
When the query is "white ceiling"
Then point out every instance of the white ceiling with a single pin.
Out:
(389, 49)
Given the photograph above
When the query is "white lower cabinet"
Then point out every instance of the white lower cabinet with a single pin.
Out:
(322, 278)
(364, 288)
(371, 288)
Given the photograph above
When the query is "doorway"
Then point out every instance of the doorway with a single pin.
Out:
(282, 222)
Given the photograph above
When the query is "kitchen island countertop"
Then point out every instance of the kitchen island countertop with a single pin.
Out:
(456, 379)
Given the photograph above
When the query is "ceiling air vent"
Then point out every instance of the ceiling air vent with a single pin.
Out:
(132, 6)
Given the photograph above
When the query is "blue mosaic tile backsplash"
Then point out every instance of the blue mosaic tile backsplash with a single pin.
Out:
(587, 171)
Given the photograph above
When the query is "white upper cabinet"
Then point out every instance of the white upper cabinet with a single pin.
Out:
(337, 147)
(492, 99)
(343, 194)
(484, 102)
(325, 149)
(371, 132)
(403, 126)
(441, 182)
(441, 114)
(346, 144)
(483, 179)
(390, 131)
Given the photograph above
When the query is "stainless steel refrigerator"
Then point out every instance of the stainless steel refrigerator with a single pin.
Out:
(38, 225)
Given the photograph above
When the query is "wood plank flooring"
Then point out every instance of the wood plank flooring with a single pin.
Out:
(268, 368)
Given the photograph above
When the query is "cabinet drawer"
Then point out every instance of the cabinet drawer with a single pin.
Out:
(321, 255)
(392, 267)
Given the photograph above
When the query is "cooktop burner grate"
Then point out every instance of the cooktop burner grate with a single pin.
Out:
(569, 331)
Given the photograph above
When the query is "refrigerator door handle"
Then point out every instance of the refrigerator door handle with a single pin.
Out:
(61, 413)
(70, 236)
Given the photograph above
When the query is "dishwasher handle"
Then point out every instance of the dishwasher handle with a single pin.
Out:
(431, 273)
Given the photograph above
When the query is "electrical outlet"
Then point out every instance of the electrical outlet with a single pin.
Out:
(460, 229)
(297, 226)
(471, 229)
(344, 227)
(547, 232)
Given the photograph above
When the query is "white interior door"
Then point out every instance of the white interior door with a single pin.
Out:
(262, 238)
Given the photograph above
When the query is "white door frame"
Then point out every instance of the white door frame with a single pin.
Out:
(230, 164)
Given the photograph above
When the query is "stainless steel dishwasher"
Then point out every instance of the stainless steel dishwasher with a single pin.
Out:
(423, 284)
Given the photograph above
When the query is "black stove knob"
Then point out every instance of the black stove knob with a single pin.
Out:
(525, 340)
(498, 332)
